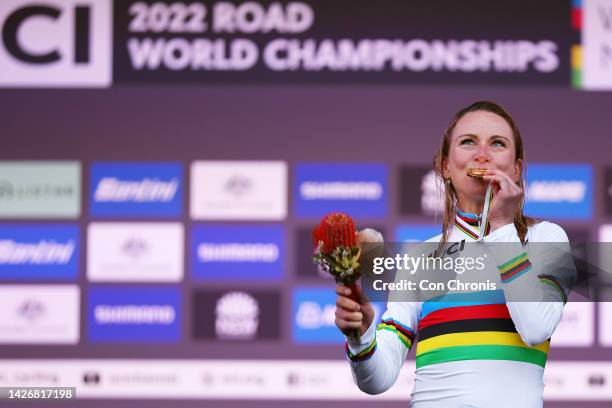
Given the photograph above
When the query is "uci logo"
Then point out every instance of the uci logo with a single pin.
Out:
(14, 21)
(55, 43)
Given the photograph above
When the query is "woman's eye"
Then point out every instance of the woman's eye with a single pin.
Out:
(467, 141)
(498, 143)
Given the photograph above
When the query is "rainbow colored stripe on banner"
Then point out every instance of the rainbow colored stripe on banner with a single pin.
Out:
(576, 51)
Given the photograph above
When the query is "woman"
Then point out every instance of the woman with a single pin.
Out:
(486, 353)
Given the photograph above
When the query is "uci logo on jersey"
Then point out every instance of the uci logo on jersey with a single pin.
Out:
(56, 42)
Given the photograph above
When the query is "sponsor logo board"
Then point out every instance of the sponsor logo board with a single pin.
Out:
(56, 43)
(420, 191)
(230, 252)
(236, 314)
(136, 189)
(39, 251)
(135, 252)
(39, 314)
(238, 190)
(563, 191)
(40, 189)
(360, 190)
(134, 314)
(596, 44)
(313, 311)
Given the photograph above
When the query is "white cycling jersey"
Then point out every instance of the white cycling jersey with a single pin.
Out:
(484, 350)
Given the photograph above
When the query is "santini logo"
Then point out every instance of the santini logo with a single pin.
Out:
(147, 190)
(43, 252)
(238, 252)
(556, 191)
(133, 314)
(341, 190)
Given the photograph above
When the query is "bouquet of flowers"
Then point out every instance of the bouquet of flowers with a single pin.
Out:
(337, 251)
(336, 248)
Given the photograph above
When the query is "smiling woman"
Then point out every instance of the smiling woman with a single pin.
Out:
(481, 347)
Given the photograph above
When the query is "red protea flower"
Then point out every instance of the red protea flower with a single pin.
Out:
(335, 230)
(337, 251)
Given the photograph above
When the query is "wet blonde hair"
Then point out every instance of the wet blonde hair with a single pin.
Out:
(521, 222)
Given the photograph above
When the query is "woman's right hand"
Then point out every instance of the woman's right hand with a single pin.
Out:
(351, 315)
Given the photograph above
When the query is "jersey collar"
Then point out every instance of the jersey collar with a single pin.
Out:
(469, 224)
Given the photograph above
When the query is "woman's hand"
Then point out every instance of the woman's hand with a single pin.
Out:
(351, 315)
(507, 197)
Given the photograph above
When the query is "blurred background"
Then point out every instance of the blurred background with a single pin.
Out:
(163, 164)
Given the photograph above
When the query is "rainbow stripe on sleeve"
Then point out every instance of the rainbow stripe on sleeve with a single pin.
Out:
(404, 333)
(363, 355)
(514, 268)
(554, 283)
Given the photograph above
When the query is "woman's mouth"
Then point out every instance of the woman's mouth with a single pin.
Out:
(477, 173)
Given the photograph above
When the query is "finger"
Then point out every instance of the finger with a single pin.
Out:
(495, 182)
(348, 304)
(344, 325)
(503, 175)
(491, 177)
(496, 179)
(504, 183)
(349, 316)
(343, 290)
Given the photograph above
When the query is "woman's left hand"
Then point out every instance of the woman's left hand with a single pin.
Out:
(507, 197)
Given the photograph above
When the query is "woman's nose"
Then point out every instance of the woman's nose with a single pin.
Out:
(482, 154)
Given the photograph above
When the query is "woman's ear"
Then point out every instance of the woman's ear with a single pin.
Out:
(518, 170)
(444, 168)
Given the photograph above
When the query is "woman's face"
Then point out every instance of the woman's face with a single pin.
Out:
(483, 140)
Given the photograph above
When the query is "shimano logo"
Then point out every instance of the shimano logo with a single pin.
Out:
(311, 315)
(238, 252)
(341, 190)
(111, 189)
(43, 252)
(135, 314)
(556, 191)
